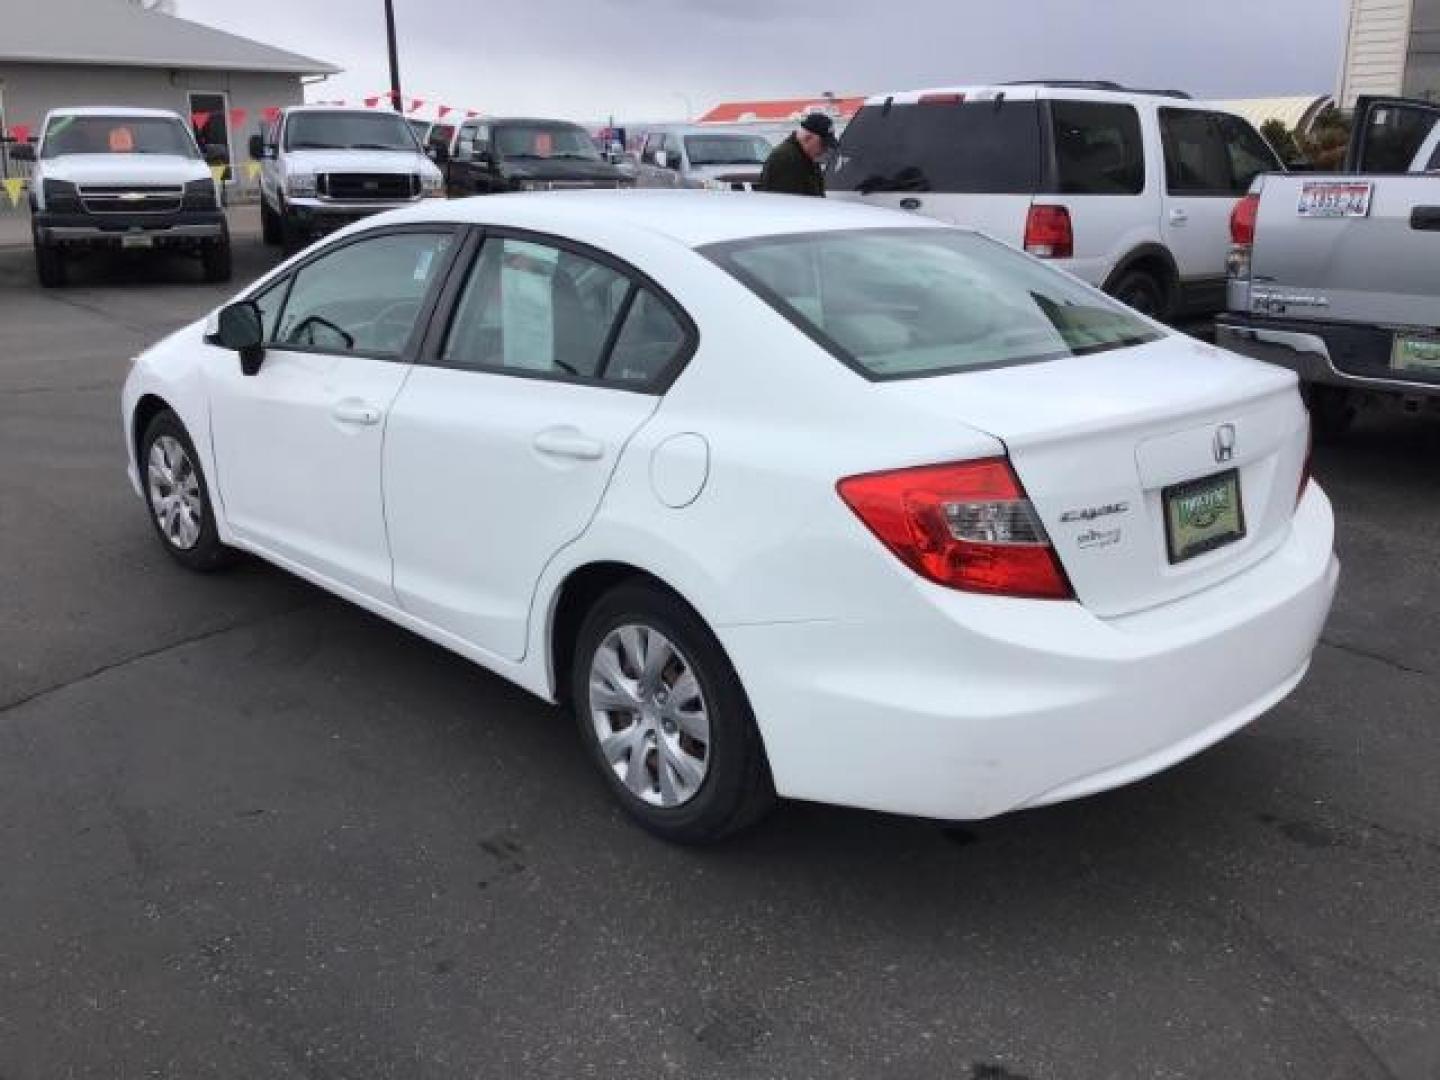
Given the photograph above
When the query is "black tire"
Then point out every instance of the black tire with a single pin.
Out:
(292, 236)
(270, 231)
(737, 790)
(1332, 411)
(49, 265)
(1141, 291)
(216, 260)
(206, 553)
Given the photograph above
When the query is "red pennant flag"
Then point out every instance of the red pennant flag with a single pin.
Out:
(271, 113)
(415, 104)
(201, 120)
(371, 102)
(470, 114)
(443, 111)
(238, 117)
(20, 132)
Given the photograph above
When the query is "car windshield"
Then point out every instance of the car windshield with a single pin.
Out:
(117, 135)
(544, 141)
(909, 302)
(348, 131)
(726, 149)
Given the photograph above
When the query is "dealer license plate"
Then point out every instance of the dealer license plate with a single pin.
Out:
(1416, 352)
(1202, 515)
(1335, 199)
(136, 240)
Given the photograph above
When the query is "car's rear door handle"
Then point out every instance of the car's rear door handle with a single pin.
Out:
(567, 442)
(1425, 218)
(356, 412)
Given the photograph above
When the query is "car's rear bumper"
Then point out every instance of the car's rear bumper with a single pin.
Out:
(1351, 355)
(110, 230)
(965, 707)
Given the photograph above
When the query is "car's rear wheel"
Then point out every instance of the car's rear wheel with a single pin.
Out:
(1332, 411)
(49, 265)
(178, 497)
(1141, 291)
(666, 719)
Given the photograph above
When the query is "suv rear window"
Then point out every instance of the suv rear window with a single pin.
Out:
(975, 147)
(904, 303)
(1098, 148)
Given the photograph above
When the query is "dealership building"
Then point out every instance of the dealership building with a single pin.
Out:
(136, 52)
(1392, 47)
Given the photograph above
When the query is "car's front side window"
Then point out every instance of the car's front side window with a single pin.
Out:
(364, 296)
(271, 302)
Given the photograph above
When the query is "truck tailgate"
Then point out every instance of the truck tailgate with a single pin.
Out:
(1381, 269)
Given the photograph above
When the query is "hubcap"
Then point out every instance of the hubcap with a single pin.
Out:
(174, 492)
(649, 715)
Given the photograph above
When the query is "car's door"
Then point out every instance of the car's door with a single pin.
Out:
(502, 442)
(297, 446)
(1210, 160)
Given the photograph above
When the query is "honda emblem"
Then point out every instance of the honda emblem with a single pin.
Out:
(1224, 443)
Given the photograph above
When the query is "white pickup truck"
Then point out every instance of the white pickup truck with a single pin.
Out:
(122, 178)
(1337, 276)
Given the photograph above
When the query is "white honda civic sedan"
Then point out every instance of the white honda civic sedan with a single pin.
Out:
(779, 496)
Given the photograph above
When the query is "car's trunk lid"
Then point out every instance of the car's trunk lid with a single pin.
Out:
(1099, 440)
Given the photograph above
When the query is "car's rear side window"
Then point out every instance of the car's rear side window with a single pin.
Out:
(1098, 148)
(902, 303)
(973, 147)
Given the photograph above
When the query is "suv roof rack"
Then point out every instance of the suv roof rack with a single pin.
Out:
(1096, 84)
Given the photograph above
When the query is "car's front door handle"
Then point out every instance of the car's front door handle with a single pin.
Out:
(1178, 217)
(356, 412)
(567, 442)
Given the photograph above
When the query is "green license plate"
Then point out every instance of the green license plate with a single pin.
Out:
(1416, 352)
(1202, 515)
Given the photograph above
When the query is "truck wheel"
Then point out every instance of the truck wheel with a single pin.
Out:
(269, 225)
(292, 236)
(216, 260)
(1332, 411)
(49, 265)
(1139, 290)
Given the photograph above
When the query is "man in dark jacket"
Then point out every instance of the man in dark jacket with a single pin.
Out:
(793, 167)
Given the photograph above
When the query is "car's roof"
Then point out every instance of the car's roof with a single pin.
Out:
(702, 129)
(691, 218)
(1037, 91)
(502, 121)
(113, 110)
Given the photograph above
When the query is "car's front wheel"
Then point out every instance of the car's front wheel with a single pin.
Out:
(215, 260)
(49, 265)
(666, 719)
(178, 497)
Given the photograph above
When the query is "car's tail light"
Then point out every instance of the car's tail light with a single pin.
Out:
(968, 526)
(1048, 233)
(1242, 237)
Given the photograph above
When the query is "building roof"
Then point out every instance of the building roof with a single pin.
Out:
(785, 109)
(120, 33)
(1296, 113)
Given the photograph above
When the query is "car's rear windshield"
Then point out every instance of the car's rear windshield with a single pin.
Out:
(348, 131)
(724, 148)
(973, 147)
(117, 135)
(910, 302)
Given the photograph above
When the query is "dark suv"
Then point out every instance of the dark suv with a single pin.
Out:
(493, 156)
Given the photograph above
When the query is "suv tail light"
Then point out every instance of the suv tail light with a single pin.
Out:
(967, 526)
(1242, 237)
(1048, 234)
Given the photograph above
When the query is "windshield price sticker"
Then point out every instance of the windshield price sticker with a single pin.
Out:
(1332, 199)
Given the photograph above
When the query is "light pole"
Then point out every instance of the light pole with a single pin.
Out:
(395, 102)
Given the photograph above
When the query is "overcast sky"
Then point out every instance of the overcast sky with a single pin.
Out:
(587, 59)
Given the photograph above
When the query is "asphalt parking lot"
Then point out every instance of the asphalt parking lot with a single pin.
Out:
(249, 831)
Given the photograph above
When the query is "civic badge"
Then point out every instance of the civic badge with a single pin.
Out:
(1224, 445)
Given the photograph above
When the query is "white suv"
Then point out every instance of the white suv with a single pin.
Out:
(1129, 190)
(324, 167)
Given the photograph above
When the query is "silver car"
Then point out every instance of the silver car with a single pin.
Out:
(704, 155)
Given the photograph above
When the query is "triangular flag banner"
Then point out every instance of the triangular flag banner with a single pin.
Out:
(470, 114)
(218, 172)
(252, 170)
(201, 120)
(415, 104)
(14, 187)
(271, 113)
(371, 102)
(238, 117)
(20, 132)
(443, 111)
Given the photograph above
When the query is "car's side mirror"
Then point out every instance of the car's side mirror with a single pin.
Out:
(662, 158)
(482, 154)
(257, 147)
(241, 329)
(22, 151)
